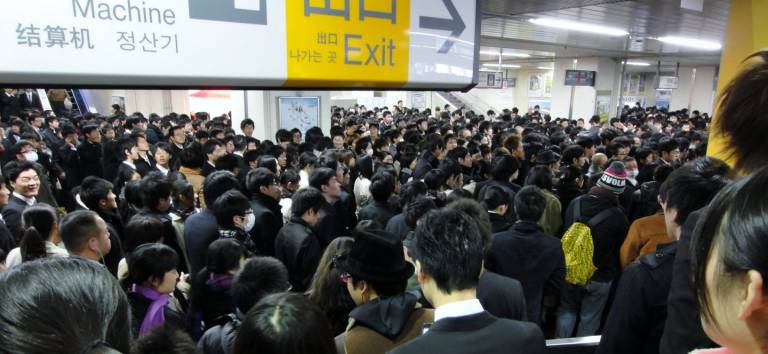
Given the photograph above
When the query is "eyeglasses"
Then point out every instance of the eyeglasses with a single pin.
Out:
(344, 278)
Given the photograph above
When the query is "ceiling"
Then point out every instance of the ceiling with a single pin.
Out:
(505, 25)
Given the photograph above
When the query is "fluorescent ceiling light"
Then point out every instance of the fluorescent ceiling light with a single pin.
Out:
(636, 63)
(691, 42)
(512, 66)
(578, 26)
(545, 68)
(516, 55)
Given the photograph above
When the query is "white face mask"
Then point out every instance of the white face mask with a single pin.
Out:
(250, 220)
(30, 156)
(633, 173)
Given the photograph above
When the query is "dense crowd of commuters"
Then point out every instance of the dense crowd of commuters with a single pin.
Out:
(400, 231)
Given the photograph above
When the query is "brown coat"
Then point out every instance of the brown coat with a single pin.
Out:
(363, 340)
(642, 238)
(196, 179)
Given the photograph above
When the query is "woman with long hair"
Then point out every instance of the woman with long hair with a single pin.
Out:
(327, 292)
(40, 238)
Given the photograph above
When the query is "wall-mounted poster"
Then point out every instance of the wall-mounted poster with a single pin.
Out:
(299, 112)
(540, 85)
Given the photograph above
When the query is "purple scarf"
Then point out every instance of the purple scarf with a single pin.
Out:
(155, 315)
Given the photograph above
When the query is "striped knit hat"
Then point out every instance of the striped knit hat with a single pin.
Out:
(613, 178)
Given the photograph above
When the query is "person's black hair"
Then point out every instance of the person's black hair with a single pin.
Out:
(155, 186)
(450, 168)
(668, 145)
(504, 167)
(13, 169)
(307, 159)
(306, 199)
(174, 128)
(434, 179)
(201, 134)
(246, 122)
(457, 153)
(227, 162)
(166, 340)
(63, 305)
(320, 177)
(362, 144)
(217, 183)
(416, 208)
(540, 176)
(433, 142)
(38, 222)
(257, 178)
(192, 156)
(742, 110)
(285, 323)
(382, 186)
(572, 152)
(267, 161)
(365, 166)
(328, 160)
(283, 135)
(585, 141)
(570, 174)
(493, 197)
(142, 229)
(734, 222)
(530, 204)
(77, 227)
(149, 262)
(124, 144)
(477, 213)
(692, 186)
(210, 146)
(257, 278)
(449, 246)
(89, 128)
(289, 176)
(411, 191)
(230, 204)
(162, 145)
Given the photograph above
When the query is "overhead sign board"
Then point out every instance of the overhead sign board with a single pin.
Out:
(491, 79)
(667, 82)
(427, 44)
(579, 78)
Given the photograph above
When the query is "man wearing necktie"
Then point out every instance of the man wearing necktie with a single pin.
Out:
(31, 100)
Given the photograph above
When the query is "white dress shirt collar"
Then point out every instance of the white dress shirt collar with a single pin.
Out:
(29, 201)
(458, 309)
(162, 170)
(130, 164)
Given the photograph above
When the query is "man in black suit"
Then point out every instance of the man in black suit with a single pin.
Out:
(448, 247)
(201, 229)
(9, 105)
(30, 100)
(25, 183)
(213, 149)
(526, 253)
(90, 152)
(145, 163)
(265, 193)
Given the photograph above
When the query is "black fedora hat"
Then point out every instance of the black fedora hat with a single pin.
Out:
(376, 255)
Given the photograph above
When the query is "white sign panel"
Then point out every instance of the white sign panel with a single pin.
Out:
(491, 79)
(240, 43)
(667, 82)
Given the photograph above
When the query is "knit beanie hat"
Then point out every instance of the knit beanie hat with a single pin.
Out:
(613, 178)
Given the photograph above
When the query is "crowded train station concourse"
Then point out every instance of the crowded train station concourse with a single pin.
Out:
(384, 176)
